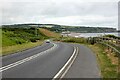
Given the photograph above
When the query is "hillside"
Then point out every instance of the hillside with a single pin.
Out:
(61, 28)
(49, 33)
(13, 36)
(17, 39)
(83, 29)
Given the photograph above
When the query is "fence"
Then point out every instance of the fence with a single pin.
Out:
(103, 40)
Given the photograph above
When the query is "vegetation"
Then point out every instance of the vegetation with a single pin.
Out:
(20, 47)
(49, 33)
(113, 45)
(81, 29)
(18, 39)
(13, 36)
(61, 28)
(72, 40)
(0, 40)
(112, 36)
(75, 40)
(107, 60)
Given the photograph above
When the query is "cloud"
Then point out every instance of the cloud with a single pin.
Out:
(91, 20)
(68, 12)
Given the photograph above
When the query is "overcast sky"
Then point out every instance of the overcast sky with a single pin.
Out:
(64, 12)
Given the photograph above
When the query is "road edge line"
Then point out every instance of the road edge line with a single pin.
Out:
(67, 65)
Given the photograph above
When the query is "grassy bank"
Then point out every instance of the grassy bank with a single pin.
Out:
(49, 33)
(16, 36)
(18, 39)
(108, 61)
(20, 47)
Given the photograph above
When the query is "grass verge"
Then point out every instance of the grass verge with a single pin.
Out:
(20, 47)
(109, 68)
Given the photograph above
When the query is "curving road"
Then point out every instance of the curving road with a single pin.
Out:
(46, 61)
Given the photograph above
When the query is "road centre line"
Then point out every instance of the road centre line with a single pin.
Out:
(68, 64)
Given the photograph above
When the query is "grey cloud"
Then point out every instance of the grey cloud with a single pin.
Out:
(61, 9)
(19, 12)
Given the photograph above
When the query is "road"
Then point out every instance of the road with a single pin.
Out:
(85, 65)
(46, 61)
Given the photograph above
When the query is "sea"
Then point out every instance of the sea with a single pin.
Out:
(90, 34)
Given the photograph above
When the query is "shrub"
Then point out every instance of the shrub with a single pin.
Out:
(34, 39)
(75, 40)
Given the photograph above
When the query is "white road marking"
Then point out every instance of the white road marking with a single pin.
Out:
(70, 64)
(26, 59)
(65, 68)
